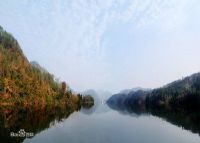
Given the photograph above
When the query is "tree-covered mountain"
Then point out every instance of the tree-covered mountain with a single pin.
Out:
(128, 101)
(127, 91)
(177, 102)
(27, 83)
(182, 94)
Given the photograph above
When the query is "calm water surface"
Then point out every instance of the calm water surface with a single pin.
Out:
(105, 125)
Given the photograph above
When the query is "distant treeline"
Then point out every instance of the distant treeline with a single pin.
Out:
(177, 102)
(180, 95)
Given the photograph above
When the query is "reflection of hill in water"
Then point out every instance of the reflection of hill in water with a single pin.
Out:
(99, 97)
(100, 109)
(12, 120)
(186, 120)
(127, 110)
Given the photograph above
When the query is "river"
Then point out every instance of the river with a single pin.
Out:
(104, 125)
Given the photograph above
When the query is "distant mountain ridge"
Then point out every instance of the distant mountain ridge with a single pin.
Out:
(126, 91)
(38, 66)
(181, 94)
(177, 102)
(101, 94)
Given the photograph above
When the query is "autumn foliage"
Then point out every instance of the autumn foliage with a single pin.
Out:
(22, 82)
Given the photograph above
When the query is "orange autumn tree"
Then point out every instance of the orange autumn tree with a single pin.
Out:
(23, 81)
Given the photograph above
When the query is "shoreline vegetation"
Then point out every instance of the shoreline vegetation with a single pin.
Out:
(30, 97)
(177, 102)
(29, 86)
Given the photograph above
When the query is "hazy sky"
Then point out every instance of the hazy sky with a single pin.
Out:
(108, 44)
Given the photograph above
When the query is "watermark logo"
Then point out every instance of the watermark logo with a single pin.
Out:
(21, 133)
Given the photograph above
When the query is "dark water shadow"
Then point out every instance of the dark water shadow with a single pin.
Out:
(32, 122)
(184, 119)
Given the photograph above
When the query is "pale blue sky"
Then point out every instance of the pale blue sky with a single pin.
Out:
(108, 44)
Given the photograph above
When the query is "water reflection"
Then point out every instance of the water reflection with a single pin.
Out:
(95, 109)
(29, 120)
(96, 124)
(110, 126)
(186, 120)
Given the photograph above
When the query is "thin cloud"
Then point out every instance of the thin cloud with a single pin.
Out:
(75, 29)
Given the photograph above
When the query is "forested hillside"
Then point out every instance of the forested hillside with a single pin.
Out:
(181, 95)
(177, 102)
(27, 83)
